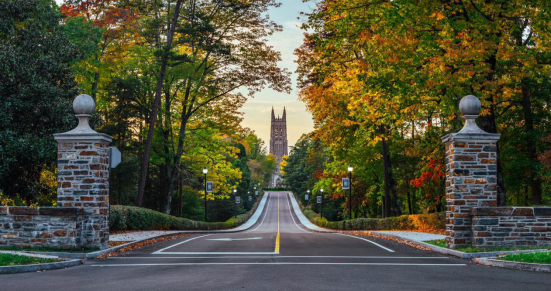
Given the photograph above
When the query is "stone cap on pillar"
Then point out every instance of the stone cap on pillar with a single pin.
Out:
(470, 108)
(84, 106)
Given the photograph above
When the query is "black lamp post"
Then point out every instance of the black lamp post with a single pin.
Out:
(235, 202)
(205, 171)
(307, 191)
(350, 192)
(321, 209)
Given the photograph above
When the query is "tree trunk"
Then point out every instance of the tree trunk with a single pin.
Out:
(390, 185)
(156, 104)
(535, 180)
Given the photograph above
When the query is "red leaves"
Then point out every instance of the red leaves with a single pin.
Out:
(434, 171)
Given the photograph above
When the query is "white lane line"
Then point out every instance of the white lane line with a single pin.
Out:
(218, 253)
(291, 213)
(278, 257)
(232, 239)
(266, 213)
(280, 263)
(162, 250)
(384, 248)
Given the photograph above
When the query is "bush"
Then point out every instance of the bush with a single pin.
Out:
(434, 222)
(136, 218)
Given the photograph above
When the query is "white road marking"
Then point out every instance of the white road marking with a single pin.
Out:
(280, 263)
(278, 257)
(266, 213)
(232, 239)
(217, 253)
(291, 213)
(162, 250)
(384, 248)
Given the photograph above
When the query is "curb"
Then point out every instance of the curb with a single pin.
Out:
(96, 254)
(455, 253)
(303, 219)
(546, 268)
(38, 267)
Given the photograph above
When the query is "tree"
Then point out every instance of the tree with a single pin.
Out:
(36, 89)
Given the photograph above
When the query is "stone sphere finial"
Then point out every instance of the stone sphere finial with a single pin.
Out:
(84, 104)
(470, 105)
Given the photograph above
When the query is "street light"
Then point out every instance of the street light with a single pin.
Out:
(321, 209)
(307, 191)
(350, 191)
(205, 171)
(235, 207)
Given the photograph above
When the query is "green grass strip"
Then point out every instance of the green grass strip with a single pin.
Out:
(17, 260)
(442, 243)
(538, 258)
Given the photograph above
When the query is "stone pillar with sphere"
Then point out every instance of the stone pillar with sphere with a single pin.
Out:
(471, 173)
(83, 176)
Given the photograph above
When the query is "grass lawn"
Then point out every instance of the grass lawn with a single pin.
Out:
(538, 258)
(442, 243)
(30, 249)
(16, 260)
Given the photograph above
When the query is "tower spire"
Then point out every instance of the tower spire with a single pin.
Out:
(273, 114)
(284, 113)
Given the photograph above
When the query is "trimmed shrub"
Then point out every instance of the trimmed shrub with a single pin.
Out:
(136, 218)
(434, 222)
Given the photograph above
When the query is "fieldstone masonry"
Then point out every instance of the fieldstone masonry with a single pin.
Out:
(81, 219)
(472, 215)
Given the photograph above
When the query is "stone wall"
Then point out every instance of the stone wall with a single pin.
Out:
(511, 226)
(55, 227)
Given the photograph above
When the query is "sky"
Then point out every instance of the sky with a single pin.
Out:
(258, 109)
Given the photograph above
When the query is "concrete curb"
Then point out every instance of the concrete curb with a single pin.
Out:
(455, 253)
(93, 255)
(514, 265)
(303, 219)
(37, 267)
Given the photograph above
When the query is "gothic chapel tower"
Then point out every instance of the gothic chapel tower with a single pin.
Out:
(278, 144)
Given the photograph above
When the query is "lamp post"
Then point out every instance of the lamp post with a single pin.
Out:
(307, 191)
(235, 207)
(321, 209)
(205, 171)
(350, 192)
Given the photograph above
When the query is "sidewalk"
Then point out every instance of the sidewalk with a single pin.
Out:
(410, 235)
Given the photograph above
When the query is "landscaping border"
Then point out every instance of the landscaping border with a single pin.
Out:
(514, 265)
(37, 267)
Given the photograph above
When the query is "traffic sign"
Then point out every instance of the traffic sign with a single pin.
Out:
(209, 186)
(114, 157)
(319, 199)
(345, 183)
(237, 200)
(256, 193)
(306, 197)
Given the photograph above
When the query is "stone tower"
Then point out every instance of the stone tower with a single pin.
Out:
(278, 143)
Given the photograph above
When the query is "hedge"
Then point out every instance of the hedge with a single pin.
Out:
(434, 222)
(136, 218)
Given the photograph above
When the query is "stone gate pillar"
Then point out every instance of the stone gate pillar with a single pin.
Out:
(83, 176)
(471, 173)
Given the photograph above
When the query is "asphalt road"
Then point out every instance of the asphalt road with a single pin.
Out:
(278, 253)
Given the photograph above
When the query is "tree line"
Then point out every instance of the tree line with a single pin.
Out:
(383, 80)
(167, 77)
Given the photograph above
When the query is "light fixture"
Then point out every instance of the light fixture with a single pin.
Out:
(205, 171)
(350, 168)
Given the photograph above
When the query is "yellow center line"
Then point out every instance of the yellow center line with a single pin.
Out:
(277, 237)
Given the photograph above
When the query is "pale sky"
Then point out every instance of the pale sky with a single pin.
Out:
(258, 109)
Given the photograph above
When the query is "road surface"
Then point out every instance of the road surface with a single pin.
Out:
(278, 253)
